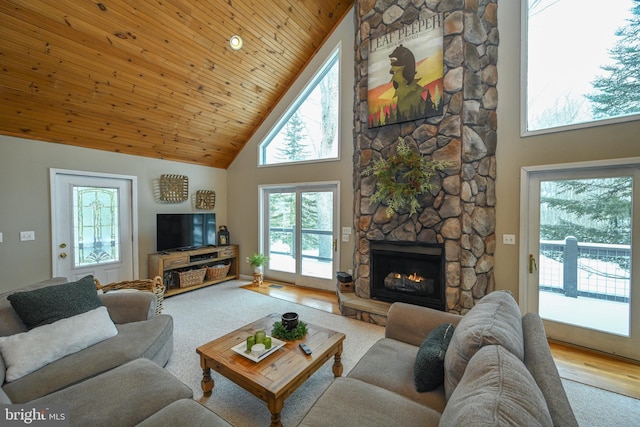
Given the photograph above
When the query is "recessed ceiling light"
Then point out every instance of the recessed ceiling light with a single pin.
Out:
(236, 42)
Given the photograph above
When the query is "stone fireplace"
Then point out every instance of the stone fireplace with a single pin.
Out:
(458, 216)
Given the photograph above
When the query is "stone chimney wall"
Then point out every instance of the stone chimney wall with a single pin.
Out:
(460, 212)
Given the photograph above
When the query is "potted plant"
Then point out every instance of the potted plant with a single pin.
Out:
(257, 261)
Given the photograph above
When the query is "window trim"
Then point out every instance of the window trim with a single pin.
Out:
(311, 84)
(524, 95)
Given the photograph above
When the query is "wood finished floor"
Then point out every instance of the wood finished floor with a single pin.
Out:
(575, 364)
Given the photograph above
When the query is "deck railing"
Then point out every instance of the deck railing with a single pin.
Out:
(593, 270)
(291, 249)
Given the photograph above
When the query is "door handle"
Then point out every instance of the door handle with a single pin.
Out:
(63, 245)
(532, 264)
(335, 245)
(63, 255)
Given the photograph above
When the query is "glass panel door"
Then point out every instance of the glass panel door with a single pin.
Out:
(580, 238)
(299, 229)
(93, 226)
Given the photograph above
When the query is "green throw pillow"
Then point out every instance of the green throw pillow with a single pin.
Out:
(52, 303)
(428, 371)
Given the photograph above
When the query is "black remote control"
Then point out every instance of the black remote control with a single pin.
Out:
(305, 348)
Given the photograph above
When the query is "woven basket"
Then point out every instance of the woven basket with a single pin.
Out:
(218, 271)
(184, 279)
(154, 285)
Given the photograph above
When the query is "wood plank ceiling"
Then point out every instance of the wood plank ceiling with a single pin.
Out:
(154, 78)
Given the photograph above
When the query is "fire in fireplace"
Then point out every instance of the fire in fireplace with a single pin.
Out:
(407, 272)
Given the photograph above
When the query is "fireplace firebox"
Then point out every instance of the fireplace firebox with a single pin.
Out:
(408, 272)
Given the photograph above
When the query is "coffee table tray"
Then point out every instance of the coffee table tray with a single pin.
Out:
(241, 349)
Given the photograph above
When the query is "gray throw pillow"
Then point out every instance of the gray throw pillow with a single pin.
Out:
(428, 370)
(52, 303)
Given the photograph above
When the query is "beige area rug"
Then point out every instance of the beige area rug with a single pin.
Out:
(203, 315)
(595, 407)
(208, 313)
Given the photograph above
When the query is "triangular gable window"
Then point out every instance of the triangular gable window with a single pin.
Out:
(308, 131)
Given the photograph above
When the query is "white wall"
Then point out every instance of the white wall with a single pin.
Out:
(24, 200)
(245, 177)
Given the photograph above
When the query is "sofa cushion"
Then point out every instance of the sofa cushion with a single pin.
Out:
(4, 399)
(496, 390)
(389, 364)
(495, 319)
(28, 351)
(52, 303)
(124, 396)
(428, 370)
(185, 412)
(350, 402)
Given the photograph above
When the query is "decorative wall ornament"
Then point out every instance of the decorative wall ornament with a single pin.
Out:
(174, 188)
(413, 56)
(402, 178)
(205, 199)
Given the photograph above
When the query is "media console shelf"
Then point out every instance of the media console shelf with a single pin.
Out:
(163, 264)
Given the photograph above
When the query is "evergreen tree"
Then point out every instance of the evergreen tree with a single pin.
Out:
(282, 219)
(295, 138)
(591, 210)
(618, 92)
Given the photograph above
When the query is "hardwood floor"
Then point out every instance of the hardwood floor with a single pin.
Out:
(322, 300)
(598, 370)
(575, 364)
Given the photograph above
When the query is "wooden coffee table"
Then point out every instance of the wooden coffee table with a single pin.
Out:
(276, 376)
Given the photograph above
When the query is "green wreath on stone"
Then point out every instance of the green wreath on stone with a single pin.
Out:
(402, 178)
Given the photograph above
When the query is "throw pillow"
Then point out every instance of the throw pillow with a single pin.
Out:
(28, 351)
(495, 319)
(52, 303)
(428, 370)
(496, 390)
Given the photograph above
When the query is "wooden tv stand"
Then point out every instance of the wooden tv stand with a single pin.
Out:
(164, 263)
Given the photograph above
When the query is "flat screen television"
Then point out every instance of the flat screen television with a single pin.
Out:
(185, 231)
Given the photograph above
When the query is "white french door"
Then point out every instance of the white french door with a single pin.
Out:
(93, 222)
(579, 270)
(298, 233)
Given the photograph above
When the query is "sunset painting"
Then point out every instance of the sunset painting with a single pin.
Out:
(406, 73)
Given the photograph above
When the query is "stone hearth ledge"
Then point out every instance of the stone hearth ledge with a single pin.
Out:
(367, 310)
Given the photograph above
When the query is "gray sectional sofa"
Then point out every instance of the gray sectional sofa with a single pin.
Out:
(117, 381)
(497, 369)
